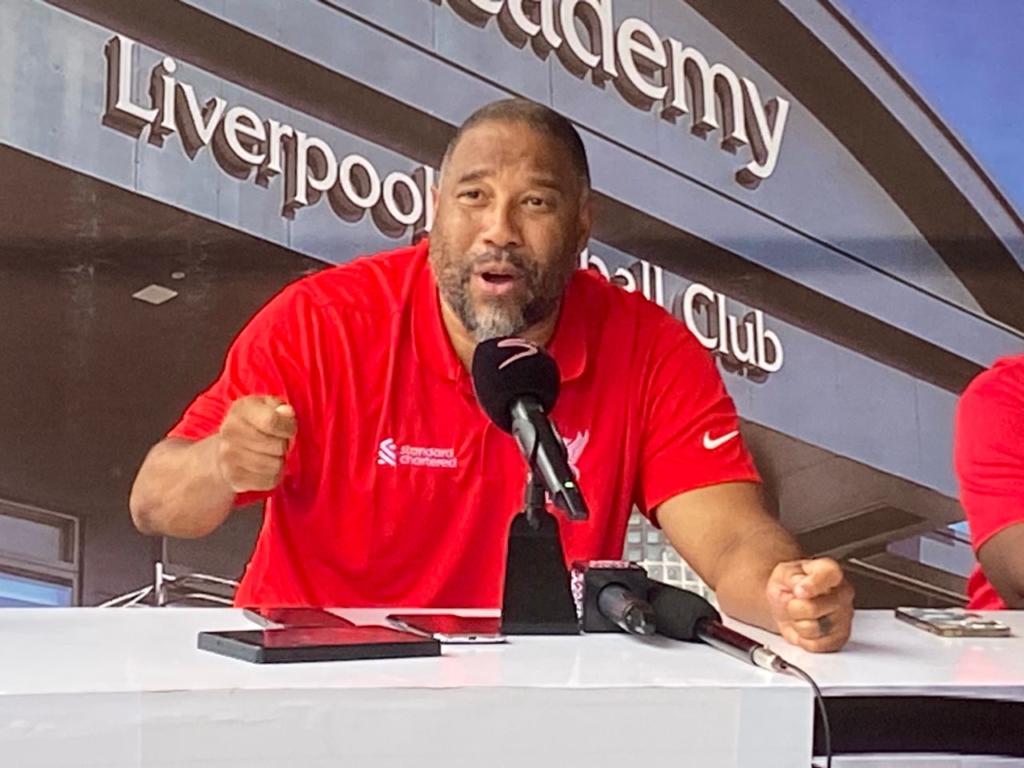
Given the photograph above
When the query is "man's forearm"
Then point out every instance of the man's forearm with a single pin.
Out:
(745, 569)
(179, 490)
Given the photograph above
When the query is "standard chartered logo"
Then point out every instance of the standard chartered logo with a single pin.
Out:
(393, 455)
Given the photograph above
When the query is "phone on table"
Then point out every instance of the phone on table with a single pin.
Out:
(268, 617)
(953, 622)
(449, 628)
(324, 643)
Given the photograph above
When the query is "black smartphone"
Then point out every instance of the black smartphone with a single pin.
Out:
(296, 644)
(294, 617)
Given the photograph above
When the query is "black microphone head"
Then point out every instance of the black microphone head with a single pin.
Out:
(509, 368)
(678, 611)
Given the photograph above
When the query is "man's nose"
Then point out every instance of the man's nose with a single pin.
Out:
(502, 227)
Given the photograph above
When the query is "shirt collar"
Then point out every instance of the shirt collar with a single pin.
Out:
(434, 349)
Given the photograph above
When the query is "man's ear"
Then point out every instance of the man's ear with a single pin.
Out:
(435, 193)
(586, 223)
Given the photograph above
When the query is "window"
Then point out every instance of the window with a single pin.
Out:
(39, 557)
(25, 592)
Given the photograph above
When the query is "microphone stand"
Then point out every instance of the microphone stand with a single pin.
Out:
(538, 596)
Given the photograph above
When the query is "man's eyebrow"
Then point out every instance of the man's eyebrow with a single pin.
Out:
(541, 180)
(548, 182)
(475, 175)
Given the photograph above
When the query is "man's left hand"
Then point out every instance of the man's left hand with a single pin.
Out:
(812, 603)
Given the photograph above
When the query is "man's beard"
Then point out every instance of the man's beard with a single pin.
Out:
(498, 316)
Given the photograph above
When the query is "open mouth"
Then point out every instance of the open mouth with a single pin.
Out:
(498, 278)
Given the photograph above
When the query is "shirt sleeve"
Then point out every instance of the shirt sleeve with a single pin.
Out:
(691, 433)
(266, 358)
(989, 455)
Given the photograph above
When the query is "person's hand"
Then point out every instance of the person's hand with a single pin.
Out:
(812, 603)
(253, 441)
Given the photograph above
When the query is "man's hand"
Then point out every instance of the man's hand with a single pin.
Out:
(812, 603)
(253, 441)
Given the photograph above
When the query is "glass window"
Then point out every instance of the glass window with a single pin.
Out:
(23, 592)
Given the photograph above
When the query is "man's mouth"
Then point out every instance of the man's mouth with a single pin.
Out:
(497, 280)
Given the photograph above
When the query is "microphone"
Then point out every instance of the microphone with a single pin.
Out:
(517, 385)
(607, 595)
(683, 615)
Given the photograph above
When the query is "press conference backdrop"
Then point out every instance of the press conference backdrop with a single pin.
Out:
(827, 193)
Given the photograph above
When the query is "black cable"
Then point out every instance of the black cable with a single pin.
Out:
(785, 666)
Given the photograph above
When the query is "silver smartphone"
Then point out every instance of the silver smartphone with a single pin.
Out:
(449, 628)
(952, 622)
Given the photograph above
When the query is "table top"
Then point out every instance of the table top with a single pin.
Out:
(886, 656)
(81, 650)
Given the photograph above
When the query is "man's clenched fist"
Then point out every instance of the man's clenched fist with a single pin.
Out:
(812, 603)
(253, 441)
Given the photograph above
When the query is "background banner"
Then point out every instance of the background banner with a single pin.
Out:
(828, 194)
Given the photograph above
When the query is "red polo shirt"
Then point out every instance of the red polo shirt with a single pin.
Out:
(398, 490)
(989, 458)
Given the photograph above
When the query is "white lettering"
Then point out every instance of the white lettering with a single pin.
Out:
(526, 25)
(121, 112)
(706, 81)
(600, 26)
(414, 456)
(770, 120)
(242, 142)
(590, 261)
(641, 54)
(312, 169)
(549, 25)
(245, 135)
(279, 134)
(693, 293)
(648, 69)
(742, 350)
(625, 278)
(162, 91)
(405, 207)
(349, 187)
(765, 337)
(198, 129)
(743, 344)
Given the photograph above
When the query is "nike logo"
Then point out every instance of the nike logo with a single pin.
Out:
(710, 443)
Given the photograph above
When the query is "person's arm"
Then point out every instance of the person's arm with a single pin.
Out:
(179, 491)
(1002, 560)
(187, 488)
(989, 461)
(755, 568)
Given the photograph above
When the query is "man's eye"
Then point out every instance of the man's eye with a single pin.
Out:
(471, 194)
(537, 202)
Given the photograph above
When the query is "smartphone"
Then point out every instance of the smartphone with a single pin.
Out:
(953, 622)
(296, 644)
(449, 628)
(294, 617)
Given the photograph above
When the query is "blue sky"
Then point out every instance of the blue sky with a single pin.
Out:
(965, 58)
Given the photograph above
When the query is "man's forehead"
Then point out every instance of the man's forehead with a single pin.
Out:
(496, 144)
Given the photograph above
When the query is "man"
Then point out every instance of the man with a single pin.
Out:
(989, 460)
(347, 403)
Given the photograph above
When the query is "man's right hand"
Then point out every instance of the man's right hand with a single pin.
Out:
(253, 441)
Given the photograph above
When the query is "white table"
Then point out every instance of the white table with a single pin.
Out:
(108, 687)
(894, 683)
(889, 657)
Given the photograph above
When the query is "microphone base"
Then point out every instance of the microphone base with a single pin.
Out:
(538, 598)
